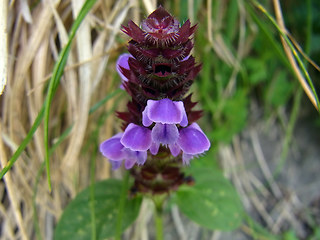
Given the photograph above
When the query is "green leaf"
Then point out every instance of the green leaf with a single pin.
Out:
(279, 90)
(75, 222)
(183, 9)
(290, 235)
(232, 20)
(212, 202)
(258, 231)
(257, 70)
(316, 234)
(232, 118)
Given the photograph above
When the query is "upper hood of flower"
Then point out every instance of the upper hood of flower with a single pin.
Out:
(160, 23)
(161, 29)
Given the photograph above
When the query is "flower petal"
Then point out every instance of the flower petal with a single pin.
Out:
(192, 140)
(184, 121)
(164, 111)
(145, 119)
(115, 164)
(129, 163)
(186, 158)
(141, 157)
(165, 133)
(154, 148)
(136, 138)
(174, 149)
(112, 148)
(123, 62)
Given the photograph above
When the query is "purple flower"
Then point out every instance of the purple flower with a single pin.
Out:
(166, 114)
(164, 111)
(116, 153)
(192, 141)
(166, 134)
(159, 63)
(123, 62)
(136, 138)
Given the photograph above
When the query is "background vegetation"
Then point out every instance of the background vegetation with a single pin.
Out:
(263, 127)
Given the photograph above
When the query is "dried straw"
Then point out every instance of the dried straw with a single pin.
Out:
(36, 36)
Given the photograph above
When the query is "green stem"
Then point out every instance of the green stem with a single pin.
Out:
(158, 222)
(289, 131)
(122, 203)
(297, 98)
(34, 204)
(294, 52)
(92, 197)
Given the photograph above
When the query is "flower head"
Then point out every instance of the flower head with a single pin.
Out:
(160, 62)
(159, 124)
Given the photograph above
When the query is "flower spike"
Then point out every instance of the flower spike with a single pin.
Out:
(159, 130)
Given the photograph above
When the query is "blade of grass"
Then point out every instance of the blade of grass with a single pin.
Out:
(95, 144)
(55, 80)
(296, 99)
(62, 137)
(311, 93)
(54, 83)
(23, 144)
(104, 100)
(92, 193)
(277, 47)
(95, 107)
(34, 205)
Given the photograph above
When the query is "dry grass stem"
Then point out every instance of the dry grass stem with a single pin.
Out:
(150, 5)
(263, 165)
(290, 55)
(141, 225)
(33, 49)
(178, 223)
(3, 45)
(13, 193)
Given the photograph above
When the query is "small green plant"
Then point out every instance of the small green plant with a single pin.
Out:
(237, 62)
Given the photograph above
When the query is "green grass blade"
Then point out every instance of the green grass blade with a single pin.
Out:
(55, 79)
(95, 107)
(292, 48)
(54, 83)
(92, 194)
(296, 100)
(34, 204)
(104, 100)
(274, 43)
(62, 137)
(23, 144)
